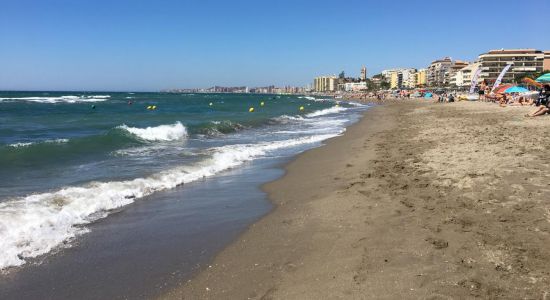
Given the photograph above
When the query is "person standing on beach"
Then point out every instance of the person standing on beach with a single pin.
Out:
(442, 98)
(481, 93)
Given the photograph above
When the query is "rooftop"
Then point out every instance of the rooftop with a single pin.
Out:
(513, 51)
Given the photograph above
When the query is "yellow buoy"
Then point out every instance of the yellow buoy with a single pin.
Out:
(210, 104)
(337, 105)
(251, 109)
(154, 107)
(149, 107)
(262, 103)
(301, 108)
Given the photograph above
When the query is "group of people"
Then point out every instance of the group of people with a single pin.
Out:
(517, 99)
(504, 99)
(445, 97)
(485, 93)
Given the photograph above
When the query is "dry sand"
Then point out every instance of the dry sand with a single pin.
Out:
(416, 201)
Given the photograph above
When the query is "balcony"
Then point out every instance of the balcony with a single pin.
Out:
(525, 69)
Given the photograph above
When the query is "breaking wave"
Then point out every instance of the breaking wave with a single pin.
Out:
(326, 111)
(61, 99)
(34, 225)
(172, 132)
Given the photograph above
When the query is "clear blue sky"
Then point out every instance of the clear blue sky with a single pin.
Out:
(150, 45)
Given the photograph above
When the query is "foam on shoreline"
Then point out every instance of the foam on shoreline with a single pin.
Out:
(34, 225)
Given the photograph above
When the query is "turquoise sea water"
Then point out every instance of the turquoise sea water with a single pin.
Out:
(69, 159)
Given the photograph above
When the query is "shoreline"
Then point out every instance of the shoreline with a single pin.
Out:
(232, 251)
(184, 226)
(416, 200)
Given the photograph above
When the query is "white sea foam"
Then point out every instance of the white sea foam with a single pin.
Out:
(356, 104)
(20, 145)
(315, 99)
(285, 119)
(148, 151)
(172, 132)
(36, 224)
(326, 111)
(65, 99)
(26, 144)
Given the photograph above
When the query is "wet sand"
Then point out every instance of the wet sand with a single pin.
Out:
(416, 201)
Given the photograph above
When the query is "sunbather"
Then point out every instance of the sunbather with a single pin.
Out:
(542, 102)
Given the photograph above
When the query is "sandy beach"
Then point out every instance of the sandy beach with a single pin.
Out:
(416, 201)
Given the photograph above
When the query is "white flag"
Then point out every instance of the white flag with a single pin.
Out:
(474, 80)
(500, 76)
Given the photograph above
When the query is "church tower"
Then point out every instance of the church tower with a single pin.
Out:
(364, 73)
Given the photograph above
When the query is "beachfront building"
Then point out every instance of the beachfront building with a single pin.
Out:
(376, 82)
(324, 84)
(355, 86)
(463, 77)
(401, 78)
(388, 73)
(521, 60)
(546, 62)
(421, 76)
(456, 66)
(437, 74)
(411, 81)
(394, 80)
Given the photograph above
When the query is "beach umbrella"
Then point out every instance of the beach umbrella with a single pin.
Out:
(501, 88)
(516, 89)
(544, 78)
(530, 81)
(428, 95)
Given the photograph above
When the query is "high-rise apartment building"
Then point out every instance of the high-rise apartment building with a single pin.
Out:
(546, 62)
(437, 74)
(521, 60)
(325, 84)
(401, 78)
(456, 66)
(421, 77)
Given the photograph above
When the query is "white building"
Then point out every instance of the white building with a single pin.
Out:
(521, 60)
(355, 86)
(411, 81)
(388, 73)
(463, 77)
(408, 78)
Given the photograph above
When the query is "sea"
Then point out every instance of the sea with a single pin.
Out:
(123, 195)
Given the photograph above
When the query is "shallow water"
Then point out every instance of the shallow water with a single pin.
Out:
(88, 193)
(152, 245)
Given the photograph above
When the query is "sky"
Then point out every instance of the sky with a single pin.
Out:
(138, 45)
